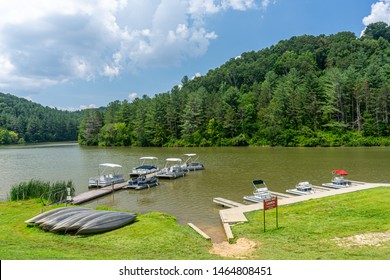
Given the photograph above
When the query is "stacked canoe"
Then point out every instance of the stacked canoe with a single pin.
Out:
(81, 221)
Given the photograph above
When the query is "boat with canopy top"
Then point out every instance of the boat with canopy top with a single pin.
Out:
(260, 192)
(108, 174)
(148, 166)
(192, 164)
(338, 180)
(172, 169)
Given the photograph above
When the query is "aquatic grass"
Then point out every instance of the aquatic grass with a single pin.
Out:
(307, 230)
(46, 191)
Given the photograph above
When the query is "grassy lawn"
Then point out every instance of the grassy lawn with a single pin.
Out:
(306, 231)
(153, 236)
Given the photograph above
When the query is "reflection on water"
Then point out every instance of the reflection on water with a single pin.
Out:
(228, 174)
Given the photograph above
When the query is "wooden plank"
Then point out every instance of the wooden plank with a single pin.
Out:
(281, 194)
(198, 230)
(95, 193)
(226, 202)
(228, 231)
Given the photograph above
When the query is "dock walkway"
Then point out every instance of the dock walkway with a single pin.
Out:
(237, 214)
(226, 202)
(95, 193)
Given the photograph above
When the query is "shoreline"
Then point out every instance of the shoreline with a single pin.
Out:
(232, 216)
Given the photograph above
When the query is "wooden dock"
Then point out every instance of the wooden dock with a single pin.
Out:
(226, 202)
(198, 230)
(95, 193)
(280, 195)
(236, 215)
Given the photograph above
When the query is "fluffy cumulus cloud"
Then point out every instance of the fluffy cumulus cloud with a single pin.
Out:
(380, 11)
(47, 42)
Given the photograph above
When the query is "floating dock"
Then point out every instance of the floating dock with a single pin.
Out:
(226, 202)
(98, 192)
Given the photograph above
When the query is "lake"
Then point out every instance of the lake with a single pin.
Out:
(229, 173)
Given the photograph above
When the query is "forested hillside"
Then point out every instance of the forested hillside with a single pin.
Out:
(306, 91)
(25, 121)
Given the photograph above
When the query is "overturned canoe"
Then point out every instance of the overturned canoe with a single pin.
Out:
(64, 211)
(78, 224)
(53, 221)
(81, 220)
(106, 223)
(64, 225)
(46, 214)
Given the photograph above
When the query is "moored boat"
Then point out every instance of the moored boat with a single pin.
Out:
(142, 182)
(260, 192)
(192, 164)
(302, 188)
(172, 170)
(105, 178)
(148, 166)
(338, 180)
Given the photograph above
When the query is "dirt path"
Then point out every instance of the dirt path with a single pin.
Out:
(242, 249)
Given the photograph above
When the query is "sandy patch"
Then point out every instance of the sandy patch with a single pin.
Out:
(375, 239)
(242, 249)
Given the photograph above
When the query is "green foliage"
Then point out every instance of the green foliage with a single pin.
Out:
(306, 91)
(46, 191)
(23, 121)
(89, 127)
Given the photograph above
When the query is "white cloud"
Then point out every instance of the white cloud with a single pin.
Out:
(132, 96)
(48, 42)
(241, 5)
(196, 75)
(83, 107)
(380, 11)
(265, 3)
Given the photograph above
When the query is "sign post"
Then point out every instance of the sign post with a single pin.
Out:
(270, 203)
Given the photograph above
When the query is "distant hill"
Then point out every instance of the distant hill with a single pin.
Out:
(306, 91)
(25, 121)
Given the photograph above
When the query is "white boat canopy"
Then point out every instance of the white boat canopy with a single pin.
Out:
(113, 165)
(190, 155)
(151, 158)
(173, 159)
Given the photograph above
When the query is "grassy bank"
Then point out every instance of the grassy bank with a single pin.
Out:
(308, 230)
(324, 229)
(152, 236)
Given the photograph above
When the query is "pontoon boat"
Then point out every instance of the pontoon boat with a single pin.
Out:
(191, 164)
(172, 170)
(142, 182)
(145, 168)
(105, 179)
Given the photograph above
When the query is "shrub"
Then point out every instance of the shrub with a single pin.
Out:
(51, 193)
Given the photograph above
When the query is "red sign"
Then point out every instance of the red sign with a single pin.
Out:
(270, 203)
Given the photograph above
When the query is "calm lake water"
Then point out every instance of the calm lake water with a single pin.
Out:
(229, 173)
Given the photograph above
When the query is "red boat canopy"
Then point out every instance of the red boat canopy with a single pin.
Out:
(340, 172)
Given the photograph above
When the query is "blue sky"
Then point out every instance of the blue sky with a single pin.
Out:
(86, 53)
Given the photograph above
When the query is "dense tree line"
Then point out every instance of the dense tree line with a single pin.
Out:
(306, 91)
(25, 121)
